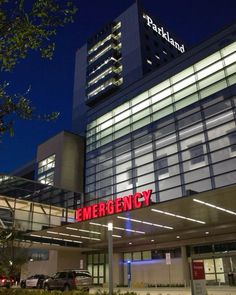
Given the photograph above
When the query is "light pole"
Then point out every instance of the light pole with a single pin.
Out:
(110, 256)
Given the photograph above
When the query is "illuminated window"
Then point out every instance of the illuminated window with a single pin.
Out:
(116, 27)
(105, 85)
(137, 256)
(46, 170)
(127, 256)
(149, 61)
(100, 53)
(196, 82)
(103, 64)
(100, 43)
(147, 255)
(5, 178)
(47, 178)
(117, 47)
(99, 77)
(105, 73)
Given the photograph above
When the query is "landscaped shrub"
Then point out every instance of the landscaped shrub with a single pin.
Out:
(34, 292)
(102, 292)
(13, 291)
(42, 292)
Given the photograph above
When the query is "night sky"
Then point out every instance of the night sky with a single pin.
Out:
(52, 81)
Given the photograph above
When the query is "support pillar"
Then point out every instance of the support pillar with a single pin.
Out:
(110, 256)
(185, 266)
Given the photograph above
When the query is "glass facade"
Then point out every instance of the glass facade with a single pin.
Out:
(25, 189)
(149, 142)
(26, 216)
(29, 216)
(204, 78)
(98, 267)
(219, 262)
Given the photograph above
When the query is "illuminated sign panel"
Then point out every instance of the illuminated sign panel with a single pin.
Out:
(118, 205)
(164, 34)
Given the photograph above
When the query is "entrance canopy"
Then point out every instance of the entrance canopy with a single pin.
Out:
(197, 219)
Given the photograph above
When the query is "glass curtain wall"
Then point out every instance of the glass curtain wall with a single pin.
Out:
(186, 151)
(204, 78)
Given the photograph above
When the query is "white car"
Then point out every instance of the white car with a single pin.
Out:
(35, 281)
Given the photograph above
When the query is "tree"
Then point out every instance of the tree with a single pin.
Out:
(27, 26)
(13, 256)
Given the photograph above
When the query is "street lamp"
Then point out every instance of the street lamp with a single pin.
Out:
(110, 256)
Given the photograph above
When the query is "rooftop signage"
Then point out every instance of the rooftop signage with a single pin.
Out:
(164, 34)
(118, 205)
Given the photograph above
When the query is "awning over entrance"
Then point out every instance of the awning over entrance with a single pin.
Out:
(197, 219)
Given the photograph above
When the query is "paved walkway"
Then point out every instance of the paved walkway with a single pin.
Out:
(221, 290)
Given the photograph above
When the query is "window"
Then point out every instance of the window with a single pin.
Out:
(232, 140)
(127, 256)
(147, 255)
(209, 76)
(38, 254)
(62, 275)
(196, 153)
(46, 169)
(162, 167)
(71, 275)
(137, 256)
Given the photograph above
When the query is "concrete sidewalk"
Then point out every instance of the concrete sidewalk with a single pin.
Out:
(219, 290)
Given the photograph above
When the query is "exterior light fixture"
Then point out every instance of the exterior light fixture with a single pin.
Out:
(110, 226)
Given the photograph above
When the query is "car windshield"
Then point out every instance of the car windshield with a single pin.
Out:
(56, 275)
(82, 274)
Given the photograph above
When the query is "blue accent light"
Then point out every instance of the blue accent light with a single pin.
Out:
(140, 262)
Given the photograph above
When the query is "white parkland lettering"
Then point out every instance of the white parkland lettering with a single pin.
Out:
(164, 34)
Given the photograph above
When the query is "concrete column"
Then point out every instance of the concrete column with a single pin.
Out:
(110, 256)
(185, 266)
(118, 269)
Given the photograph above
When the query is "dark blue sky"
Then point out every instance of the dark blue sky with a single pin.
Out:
(52, 81)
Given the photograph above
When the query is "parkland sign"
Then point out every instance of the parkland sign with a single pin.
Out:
(118, 205)
(164, 34)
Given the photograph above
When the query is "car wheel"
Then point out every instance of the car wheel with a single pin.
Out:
(46, 287)
(66, 288)
(39, 285)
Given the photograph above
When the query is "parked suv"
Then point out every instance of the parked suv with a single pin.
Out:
(69, 280)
